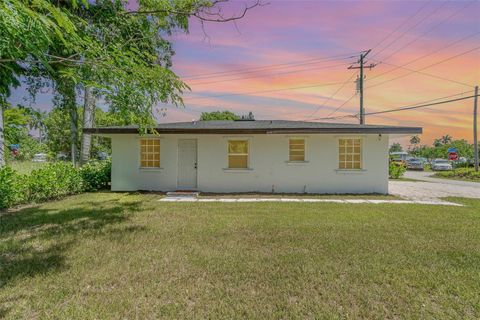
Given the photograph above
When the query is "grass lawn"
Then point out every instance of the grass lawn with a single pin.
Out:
(25, 167)
(405, 179)
(370, 196)
(123, 256)
(464, 174)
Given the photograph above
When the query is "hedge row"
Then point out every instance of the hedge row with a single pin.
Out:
(52, 181)
(460, 173)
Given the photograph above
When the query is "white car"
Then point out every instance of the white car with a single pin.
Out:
(441, 165)
(39, 157)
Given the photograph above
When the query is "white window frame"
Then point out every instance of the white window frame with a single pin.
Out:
(249, 157)
(304, 149)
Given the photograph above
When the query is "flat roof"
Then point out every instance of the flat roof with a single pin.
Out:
(258, 127)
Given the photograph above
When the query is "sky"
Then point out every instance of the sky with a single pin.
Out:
(289, 60)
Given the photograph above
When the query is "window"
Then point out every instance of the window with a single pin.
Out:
(349, 154)
(238, 154)
(296, 149)
(150, 153)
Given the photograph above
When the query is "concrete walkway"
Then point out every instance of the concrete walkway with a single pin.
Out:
(308, 200)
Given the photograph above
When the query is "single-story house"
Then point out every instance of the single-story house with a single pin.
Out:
(252, 156)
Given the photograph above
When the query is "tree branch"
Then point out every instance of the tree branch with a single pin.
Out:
(203, 15)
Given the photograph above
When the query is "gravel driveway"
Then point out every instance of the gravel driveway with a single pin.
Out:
(429, 188)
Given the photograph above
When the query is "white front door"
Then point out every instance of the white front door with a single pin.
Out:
(187, 164)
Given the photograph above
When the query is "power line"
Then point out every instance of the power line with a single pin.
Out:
(402, 24)
(428, 31)
(341, 106)
(408, 29)
(281, 65)
(268, 91)
(426, 55)
(269, 75)
(431, 75)
(423, 104)
(331, 96)
(429, 66)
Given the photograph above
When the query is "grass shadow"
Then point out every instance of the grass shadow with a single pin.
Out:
(35, 240)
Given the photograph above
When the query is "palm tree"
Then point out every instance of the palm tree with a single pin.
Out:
(437, 143)
(415, 140)
(446, 139)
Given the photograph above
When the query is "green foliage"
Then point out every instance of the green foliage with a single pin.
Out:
(51, 181)
(57, 130)
(15, 124)
(96, 175)
(440, 149)
(18, 121)
(28, 29)
(460, 174)
(415, 140)
(396, 170)
(10, 187)
(218, 115)
(396, 147)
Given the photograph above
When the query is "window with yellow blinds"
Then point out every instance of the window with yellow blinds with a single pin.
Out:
(350, 153)
(149, 153)
(238, 154)
(296, 150)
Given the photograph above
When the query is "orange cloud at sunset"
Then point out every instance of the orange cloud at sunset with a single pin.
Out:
(256, 65)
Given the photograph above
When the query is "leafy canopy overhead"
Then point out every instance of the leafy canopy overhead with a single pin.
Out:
(219, 115)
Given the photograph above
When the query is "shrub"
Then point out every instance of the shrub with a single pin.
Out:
(10, 187)
(53, 181)
(460, 173)
(396, 170)
(96, 175)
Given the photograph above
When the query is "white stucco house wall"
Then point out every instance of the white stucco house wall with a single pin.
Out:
(252, 156)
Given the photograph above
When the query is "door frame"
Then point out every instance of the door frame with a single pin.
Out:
(196, 161)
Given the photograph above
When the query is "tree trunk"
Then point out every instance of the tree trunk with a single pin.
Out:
(2, 138)
(67, 90)
(88, 122)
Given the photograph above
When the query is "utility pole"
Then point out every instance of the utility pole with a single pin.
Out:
(475, 137)
(361, 66)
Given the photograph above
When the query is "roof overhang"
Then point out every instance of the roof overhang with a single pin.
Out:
(353, 130)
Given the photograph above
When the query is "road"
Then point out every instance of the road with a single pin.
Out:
(429, 188)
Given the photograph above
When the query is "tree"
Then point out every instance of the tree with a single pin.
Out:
(100, 44)
(124, 55)
(18, 121)
(414, 141)
(88, 122)
(28, 29)
(396, 147)
(446, 139)
(218, 115)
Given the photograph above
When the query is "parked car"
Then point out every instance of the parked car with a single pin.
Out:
(402, 155)
(415, 164)
(101, 155)
(39, 157)
(61, 156)
(424, 160)
(398, 161)
(441, 165)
